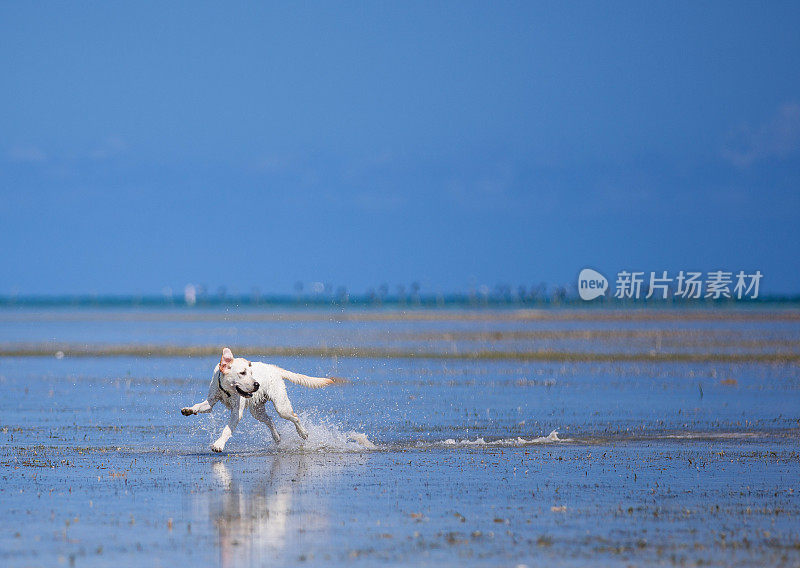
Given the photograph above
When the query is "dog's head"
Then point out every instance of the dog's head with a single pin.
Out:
(236, 374)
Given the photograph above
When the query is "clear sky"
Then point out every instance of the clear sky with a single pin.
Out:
(145, 145)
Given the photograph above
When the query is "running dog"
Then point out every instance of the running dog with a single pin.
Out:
(239, 384)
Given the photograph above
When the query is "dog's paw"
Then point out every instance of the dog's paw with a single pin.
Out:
(303, 434)
(215, 447)
(187, 411)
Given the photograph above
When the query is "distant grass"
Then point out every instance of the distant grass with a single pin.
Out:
(49, 350)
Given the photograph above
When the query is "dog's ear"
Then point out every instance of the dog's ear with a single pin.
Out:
(249, 363)
(226, 360)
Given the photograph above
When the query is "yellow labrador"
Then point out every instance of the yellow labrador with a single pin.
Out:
(239, 384)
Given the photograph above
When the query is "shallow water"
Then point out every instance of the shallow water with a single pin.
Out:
(415, 460)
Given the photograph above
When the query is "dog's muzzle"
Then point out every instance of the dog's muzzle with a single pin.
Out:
(244, 393)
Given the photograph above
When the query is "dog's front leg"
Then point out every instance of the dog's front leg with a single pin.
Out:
(227, 432)
(198, 408)
(206, 405)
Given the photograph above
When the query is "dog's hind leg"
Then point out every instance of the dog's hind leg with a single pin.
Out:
(284, 409)
(260, 413)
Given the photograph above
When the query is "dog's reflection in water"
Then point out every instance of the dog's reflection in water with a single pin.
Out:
(257, 515)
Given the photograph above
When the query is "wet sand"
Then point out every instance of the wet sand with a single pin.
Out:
(417, 460)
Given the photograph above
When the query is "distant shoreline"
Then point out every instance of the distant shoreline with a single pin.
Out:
(134, 350)
(421, 302)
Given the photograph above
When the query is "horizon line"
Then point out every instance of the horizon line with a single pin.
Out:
(453, 299)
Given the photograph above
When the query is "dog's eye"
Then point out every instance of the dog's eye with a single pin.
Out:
(243, 372)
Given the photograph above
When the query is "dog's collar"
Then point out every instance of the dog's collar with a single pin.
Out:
(219, 382)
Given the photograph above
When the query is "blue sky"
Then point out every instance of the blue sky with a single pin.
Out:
(453, 144)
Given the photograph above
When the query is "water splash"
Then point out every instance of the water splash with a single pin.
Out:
(324, 435)
(504, 442)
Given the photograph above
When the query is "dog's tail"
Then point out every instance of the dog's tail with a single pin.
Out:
(306, 381)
